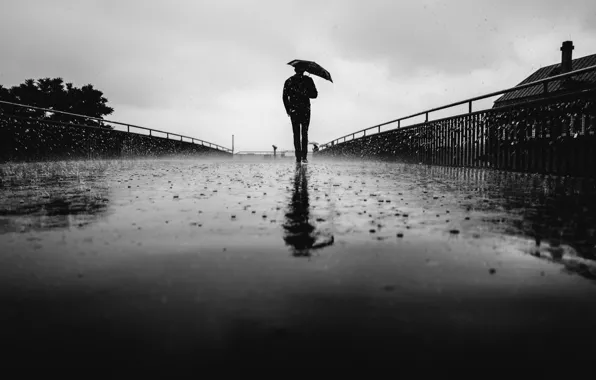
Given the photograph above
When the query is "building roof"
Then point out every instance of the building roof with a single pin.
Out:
(588, 78)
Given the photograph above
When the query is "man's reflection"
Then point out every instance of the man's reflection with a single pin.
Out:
(300, 233)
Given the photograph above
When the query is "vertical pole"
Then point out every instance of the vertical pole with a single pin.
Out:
(470, 135)
(464, 141)
(476, 138)
(460, 140)
(435, 139)
(448, 153)
(447, 134)
(468, 140)
(447, 148)
(454, 135)
(232, 144)
(483, 140)
(443, 143)
(483, 151)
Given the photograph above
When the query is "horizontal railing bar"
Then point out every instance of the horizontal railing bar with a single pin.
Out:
(66, 124)
(469, 100)
(481, 112)
(254, 151)
(61, 123)
(106, 121)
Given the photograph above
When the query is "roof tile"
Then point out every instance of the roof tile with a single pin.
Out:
(548, 71)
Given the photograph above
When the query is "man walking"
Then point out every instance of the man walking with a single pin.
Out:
(298, 90)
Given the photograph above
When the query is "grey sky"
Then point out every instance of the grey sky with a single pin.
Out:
(210, 69)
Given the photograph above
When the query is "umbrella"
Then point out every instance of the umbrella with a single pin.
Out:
(311, 67)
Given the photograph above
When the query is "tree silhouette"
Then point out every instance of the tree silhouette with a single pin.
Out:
(54, 94)
(4, 93)
(25, 93)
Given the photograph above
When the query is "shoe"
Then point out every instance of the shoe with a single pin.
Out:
(304, 161)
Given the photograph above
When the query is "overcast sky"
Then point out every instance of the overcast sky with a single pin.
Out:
(210, 69)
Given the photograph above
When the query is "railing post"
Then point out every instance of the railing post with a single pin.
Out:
(128, 128)
(426, 121)
(364, 135)
(167, 136)
(150, 133)
(470, 106)
(379, 129)
(399, 124)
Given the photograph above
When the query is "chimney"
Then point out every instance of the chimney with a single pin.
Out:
(566, 59)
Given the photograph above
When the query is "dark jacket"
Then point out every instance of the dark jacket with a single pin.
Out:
(298, 90)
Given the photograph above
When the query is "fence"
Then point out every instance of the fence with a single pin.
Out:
(35, 133)
(555, 134)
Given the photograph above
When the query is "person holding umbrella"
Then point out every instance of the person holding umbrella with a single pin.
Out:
(297, 92)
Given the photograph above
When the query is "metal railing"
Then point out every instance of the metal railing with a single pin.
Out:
(469, 101)
(255, 152)
(128, 126)
(263, 152)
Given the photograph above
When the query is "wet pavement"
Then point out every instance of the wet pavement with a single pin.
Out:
(198, 263)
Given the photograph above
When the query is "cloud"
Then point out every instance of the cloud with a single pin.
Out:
(213, 68)
(447, 36)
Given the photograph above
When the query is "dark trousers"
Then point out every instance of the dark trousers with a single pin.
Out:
(300, 121)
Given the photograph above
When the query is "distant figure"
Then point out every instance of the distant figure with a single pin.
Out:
(298, 90)
(315, 148)
(274, 150)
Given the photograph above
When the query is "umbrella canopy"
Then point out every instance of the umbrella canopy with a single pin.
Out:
(311, 67)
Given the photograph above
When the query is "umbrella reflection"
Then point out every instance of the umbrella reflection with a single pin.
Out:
(300, 234)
